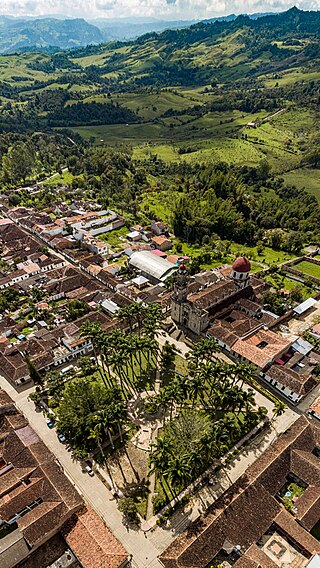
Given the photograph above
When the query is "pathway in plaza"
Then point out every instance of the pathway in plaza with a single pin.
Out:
(143, 546)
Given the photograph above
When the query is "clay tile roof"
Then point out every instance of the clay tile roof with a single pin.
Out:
(213, 294)
(298, 383)
(242, 264)
(241, 517)
(260, 559)
(248, 509)
(308, 507)
(42, 520)
(5, 398)
(92, 542)
(251, 347)
(297, 534)
(223, 333)
(306, 466)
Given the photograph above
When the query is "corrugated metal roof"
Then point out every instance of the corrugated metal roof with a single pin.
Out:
(302, 346)
(306, 305)
(151, 264)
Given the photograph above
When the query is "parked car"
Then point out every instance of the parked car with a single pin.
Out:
(89, 470)
(61, 438)
(50, 422)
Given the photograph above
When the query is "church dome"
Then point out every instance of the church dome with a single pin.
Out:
(241, 264)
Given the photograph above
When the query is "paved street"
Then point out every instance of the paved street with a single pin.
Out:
(144, 547)
(143, 550)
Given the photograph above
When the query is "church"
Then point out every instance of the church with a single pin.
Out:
(195, 308)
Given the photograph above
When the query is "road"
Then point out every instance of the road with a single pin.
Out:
(144, 549)
(52, 176)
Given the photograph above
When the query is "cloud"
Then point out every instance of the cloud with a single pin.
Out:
(184, 9)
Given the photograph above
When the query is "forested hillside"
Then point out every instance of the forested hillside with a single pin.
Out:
(217, 123)
(19, 34)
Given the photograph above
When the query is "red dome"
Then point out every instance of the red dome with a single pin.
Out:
(241, 264)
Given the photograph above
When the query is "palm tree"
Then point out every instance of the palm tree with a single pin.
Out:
(167, 356)
(153, 317)
(278, 409)
(179, 471)
(244, 372)
(249, 400)
(196, 389)
(204, 350)
(127, 315)
(93, 332)
(159, 460)
(96, 434)
(138, 311)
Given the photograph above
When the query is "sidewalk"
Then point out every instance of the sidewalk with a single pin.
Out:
(144, 546)
(143, 550)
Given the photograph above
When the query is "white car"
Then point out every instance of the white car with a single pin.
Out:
(89, 470)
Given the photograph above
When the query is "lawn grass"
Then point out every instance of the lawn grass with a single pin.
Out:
(180, 365)
(304, 178)
(112, 238)
(65, 178)
(308, 268)
(289, 284)
(268, 256)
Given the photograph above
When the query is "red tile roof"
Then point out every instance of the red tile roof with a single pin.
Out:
(92, 542)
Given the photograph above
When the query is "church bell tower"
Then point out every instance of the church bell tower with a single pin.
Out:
(180, 292)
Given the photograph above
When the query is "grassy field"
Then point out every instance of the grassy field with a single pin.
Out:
(288, 77)
(303, 178)
(289, 284)
(112, 238)
(308, 268)
(212, 137)
(65, 178)
(267, 257)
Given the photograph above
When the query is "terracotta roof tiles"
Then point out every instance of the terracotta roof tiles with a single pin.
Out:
(91, 541)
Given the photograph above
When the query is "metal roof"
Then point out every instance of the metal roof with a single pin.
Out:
(302, 346)
(110, 306)
(305, 306)
(152, 264)
(314, 562)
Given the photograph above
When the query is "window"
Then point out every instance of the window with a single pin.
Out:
(262, 344)
(24, 511)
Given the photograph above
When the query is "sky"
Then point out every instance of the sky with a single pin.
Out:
(160, 9)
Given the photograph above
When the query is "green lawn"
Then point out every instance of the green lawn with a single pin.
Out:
(304, 178)
(65, 179)
(289, 284)
(181, 365)
(308, 268)
(112, 238)
(267, 256)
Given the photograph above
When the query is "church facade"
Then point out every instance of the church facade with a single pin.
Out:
(195, 311)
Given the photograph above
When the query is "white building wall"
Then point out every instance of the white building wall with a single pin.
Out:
(291, 395)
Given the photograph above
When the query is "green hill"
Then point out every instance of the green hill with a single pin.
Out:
(19, 34)
(184, 94)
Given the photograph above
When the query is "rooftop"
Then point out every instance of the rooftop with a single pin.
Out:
(148, 262)
(261, 347)
(92, 542)
(246, 513)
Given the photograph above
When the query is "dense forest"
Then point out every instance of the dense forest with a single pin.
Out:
(209, 202)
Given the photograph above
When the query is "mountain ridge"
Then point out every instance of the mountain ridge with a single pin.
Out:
(51, 33)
